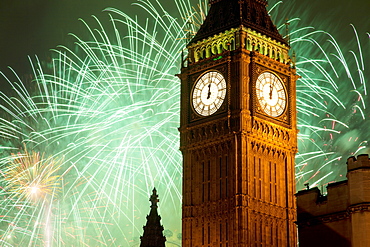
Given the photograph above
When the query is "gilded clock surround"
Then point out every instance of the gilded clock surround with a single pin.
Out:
(259, 65)
(208, 93)
(271, 94)
(212, 65)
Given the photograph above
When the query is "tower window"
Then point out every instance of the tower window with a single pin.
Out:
(227, 231)
(220, 177)
(203, 234)
(209, 234)
(220, 234)
(226, 176)
(209, 181)
(203, 182)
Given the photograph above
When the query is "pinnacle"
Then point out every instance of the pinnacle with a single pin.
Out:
(227, 14)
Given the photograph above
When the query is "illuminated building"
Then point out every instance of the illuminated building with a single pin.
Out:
(342, 217)
(238, 132)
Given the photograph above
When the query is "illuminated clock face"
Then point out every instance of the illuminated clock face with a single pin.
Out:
(271, 94)
(209, 93)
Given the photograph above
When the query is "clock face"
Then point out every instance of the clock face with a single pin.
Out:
(271, 94)
(209, 93)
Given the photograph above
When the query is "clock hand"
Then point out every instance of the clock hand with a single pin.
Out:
(270, 91)
(209, 91)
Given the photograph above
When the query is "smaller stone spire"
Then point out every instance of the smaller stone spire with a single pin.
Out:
(154, 199)
(153, 230)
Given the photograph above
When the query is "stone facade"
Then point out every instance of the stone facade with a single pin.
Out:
(342, 217)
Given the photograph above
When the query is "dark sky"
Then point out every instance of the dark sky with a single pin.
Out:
(29, 27)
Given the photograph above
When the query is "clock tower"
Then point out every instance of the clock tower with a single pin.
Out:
(238, 131)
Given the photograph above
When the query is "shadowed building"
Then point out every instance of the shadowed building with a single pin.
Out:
(153, 230)
(238, 132)
(342, 217)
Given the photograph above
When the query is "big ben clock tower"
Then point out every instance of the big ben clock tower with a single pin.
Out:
(238, 131)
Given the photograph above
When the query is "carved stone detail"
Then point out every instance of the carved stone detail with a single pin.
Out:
(208, 133)
(274, 133)
(363, 207)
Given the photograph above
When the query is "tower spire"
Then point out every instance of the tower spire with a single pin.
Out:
(227, 14)
(216, 1)
(153, 230)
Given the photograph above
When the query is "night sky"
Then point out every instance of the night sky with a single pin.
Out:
(30, 27)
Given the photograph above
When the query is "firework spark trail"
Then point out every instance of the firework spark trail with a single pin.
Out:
(331, 104)
(110, 108)
(30, 176)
